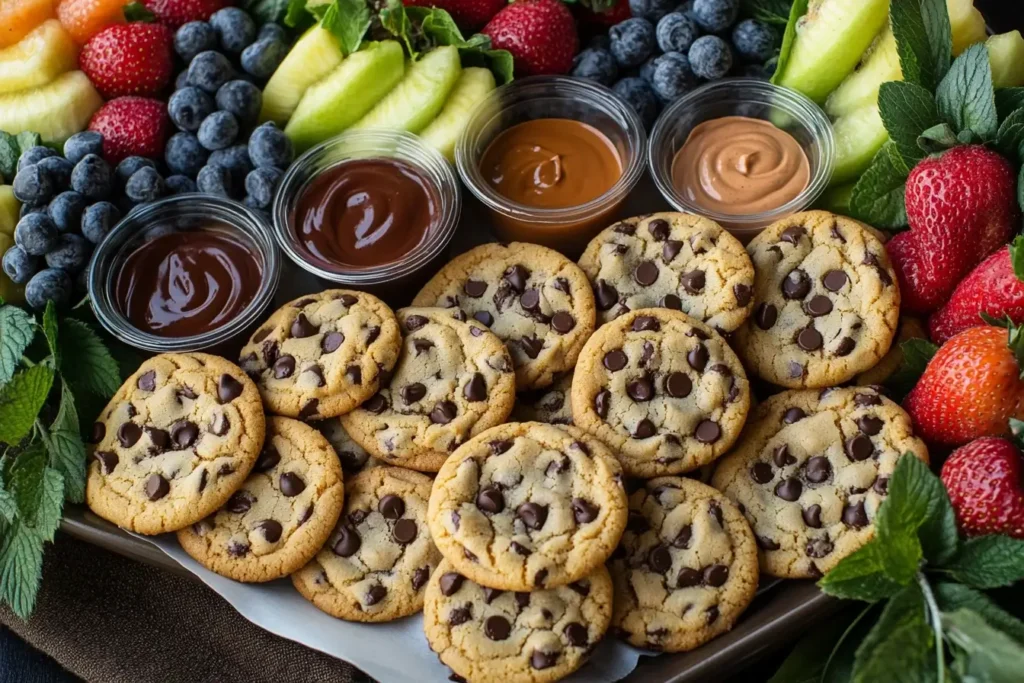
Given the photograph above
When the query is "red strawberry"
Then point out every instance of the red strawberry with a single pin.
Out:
(971, 387)
(961, 207)
(540, 34)
(174, 13)
(985, 486)
(132, 126)
(470, 15)
(128, 59)
(994, 289)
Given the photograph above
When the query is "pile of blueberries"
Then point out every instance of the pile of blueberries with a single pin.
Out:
(216, 107)
(667, 49)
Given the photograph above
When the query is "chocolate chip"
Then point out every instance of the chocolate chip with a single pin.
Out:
(306, 514)
(809, 339)
(184, 433)
(543, 660)
(698, 357)
(476, 390)
(107, 460)
(645, 429)
(147, 381)
(646, 323)
(128, 434)
(376, 404)
(238, 549)
(796, 285)
(228, 389)
(781, 456)
(678, 385)
(762, 472)
(348, 542)
(533, 515)
(415, 322)
(331, 342)
(708, 431)
(716, 511)
(318, 374)
(716, 575)
(869, 425)
(646, 273)
(519, 549)
(766, 315)
(497, 628)
(584, 511)
(742, 293)
(270, 352)
(372, 334)
(658, 228)
(499, 447)
(530, 300)
(302, 327)
(404, 531)
(268, 459)
(859, 448)
(789, 489)
(659, 559)
(605, 295)
(670, 250)
(812, 516)
(284, 366)
(576, 634)
(490, 499)
(712, 614)
(156, 487)
(855, 516)
(420, 577)
(309, 409)
(883, 275)
(348, 299)
(640, 390)
(516, 276)
(834, 280)
(795, 369)
(818, 547)
(818, 469)
(391, 506)
(538, 581)
(413, 392)
(615, 360)
(531, 346)
(271, 530)
(601, 403)
(792, 234)
(443, 412)
(558, 466)
(694, 281)
(865, 400)
(291, 484)
(845, 346)
(881, 486)
(475, 288)
(375, 594)
(819, 305)
(99, 430)
(357, 516)
(563, 322)
(239, 502)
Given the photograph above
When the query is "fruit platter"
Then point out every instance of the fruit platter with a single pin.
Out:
(596, 341)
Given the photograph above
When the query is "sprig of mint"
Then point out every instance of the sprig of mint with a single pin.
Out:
(11, 149)
(49, 367)
(938, 105)
(928, 618)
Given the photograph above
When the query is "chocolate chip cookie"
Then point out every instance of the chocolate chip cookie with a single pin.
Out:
(376, 564)
(826, 302)
(811, 473)
(323, 354)
(537, 301)
(454, 379)
(552, 404)
(491, 636)
(662, 389)
(281, 516)
(676, 260)
(353, 457)
(686, 568)
(175, 441)
(527, 505)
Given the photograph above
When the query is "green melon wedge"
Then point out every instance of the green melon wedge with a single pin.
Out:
(313, 56)
(416, 101)
(859, 135)
(472, 88)
(56, 110)
(881, 63)
(346, 94)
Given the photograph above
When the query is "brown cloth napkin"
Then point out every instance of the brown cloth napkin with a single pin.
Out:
(108, 619)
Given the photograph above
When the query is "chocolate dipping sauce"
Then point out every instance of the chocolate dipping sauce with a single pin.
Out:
(365, 212)
(186, 283)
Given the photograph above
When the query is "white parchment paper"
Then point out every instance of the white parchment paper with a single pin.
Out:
(393, 652)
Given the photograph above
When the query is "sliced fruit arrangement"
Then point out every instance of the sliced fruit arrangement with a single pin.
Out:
(472, 88)
(314, 55)
(56, 110)
(38, 58)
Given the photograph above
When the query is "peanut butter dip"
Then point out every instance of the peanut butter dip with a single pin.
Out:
(737, 165)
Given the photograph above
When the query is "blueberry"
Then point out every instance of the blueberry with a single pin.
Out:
(179, 184)
(218, 130)
(26, 209)
(33, 185)
(672, 77)
(98, 219)
(650, 9)
(243, 99)
(647, 69)
(193, 38)
(128, 166)
(59, 169)
(71, 253)
(49, 284)
(80, 144)
(686, 8)
(260, 185)
(715, 15)
(676, 32)
(268, 146)
(66, 211)
(209, 70)
(632, 41)
(754, 41)
(188, 108)
(181, 80)
(184, 155)
(145, 185)
(214, 180)
(639, 95)
(597, 65)
(272, 30)
(19, 265)
(263, 57)
(92, 177)
(234, 27)
(34, 155)
(36, 234)
(710, 57)
(254, 205)
(236, 160)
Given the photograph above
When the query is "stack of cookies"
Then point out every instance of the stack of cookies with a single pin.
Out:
(393, 478)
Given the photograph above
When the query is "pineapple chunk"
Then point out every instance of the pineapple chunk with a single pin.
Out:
(56, 110)
(38, 58)
(1006, 55)
(967, 23)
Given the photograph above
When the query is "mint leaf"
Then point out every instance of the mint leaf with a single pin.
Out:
(265, 11)
(21, 566)
(9, 154)
(907, 111)
(917, 507)
(899, 647)
(774, 12)
(923, 39)
(50, 505)
(21, 400)
(988, 562)
(348, 20)
(916, 355)
(861, 576)
(798, 9)
(965, 97)
(8, 506)
(500, 62)
(992, 655)
(937, 139)
(878, 197)
(394, 19)
(16, 331)
(1008, 100)
(438, 25)
(1010, 137)
(137, 12)
(65, 447)
(50, 331)
(27, 482)
(27, 140)
(296, 15)
(954, 596)
(87, 364)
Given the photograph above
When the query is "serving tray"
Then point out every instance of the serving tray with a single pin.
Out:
(781, 611)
